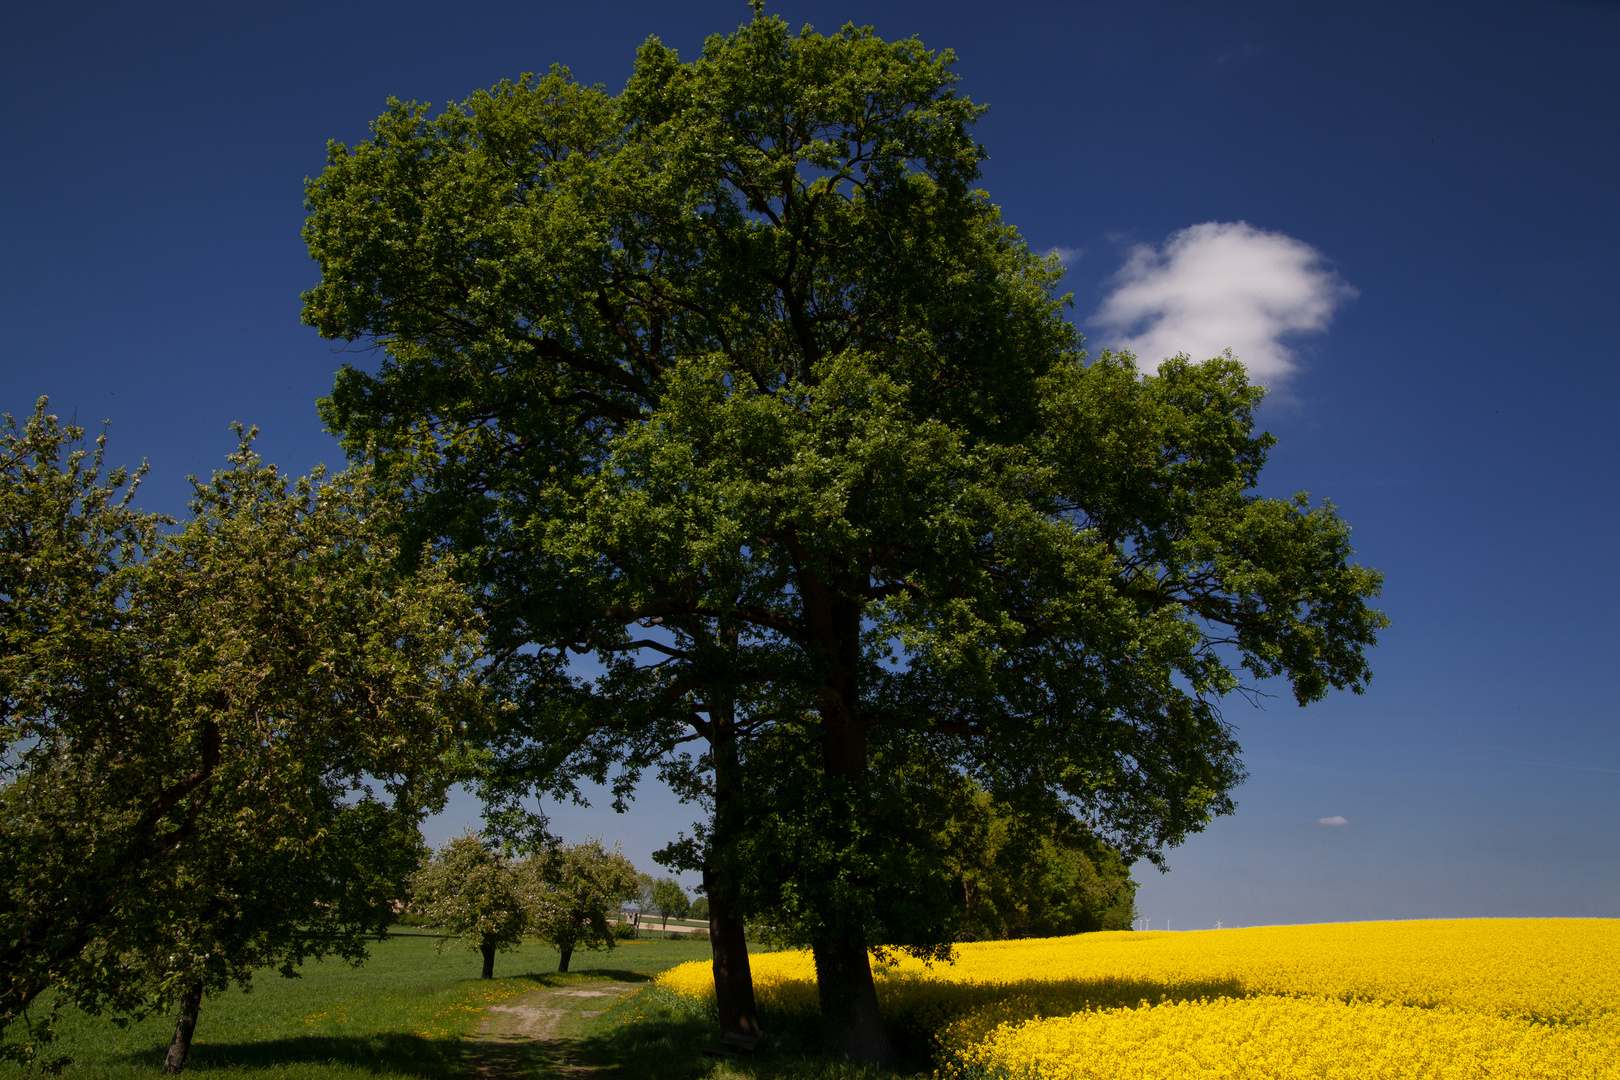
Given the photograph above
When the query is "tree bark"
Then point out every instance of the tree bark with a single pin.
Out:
(733, 976)
(851, 1027)
(563, 955)
(185, 1026)
(489, 961)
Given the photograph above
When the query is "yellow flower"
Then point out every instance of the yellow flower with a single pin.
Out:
(1460, 998)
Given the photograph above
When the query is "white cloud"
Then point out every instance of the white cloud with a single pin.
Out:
(1336, 819)
(1066, 255)
(1219, 286)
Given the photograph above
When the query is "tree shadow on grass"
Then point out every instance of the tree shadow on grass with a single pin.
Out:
(656, 1033)
(553, 979)
(396, 1052)
(392, 1053)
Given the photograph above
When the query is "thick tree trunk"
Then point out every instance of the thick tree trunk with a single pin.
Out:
(185, 1026)
(851, 1028)
(733, 977)
(489, 961)
(564, 954)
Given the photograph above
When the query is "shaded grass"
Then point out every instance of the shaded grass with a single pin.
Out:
(410, 1013)
(657, 1033)
(407, 1013)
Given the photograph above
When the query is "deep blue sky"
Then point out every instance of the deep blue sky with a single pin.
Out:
(1457, 164)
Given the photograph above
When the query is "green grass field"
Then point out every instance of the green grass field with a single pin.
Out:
(413, 1011)
(408, 1012)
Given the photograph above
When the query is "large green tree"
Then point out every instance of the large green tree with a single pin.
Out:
(736, 384)
(218, 738)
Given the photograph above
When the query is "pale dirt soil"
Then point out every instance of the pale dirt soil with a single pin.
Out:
(519, 1041)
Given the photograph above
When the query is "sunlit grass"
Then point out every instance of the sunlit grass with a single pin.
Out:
(407, 1012)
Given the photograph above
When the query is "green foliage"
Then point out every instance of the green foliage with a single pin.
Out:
(217, 740)
(574, 886)
(643, 896)
(469, 889)
(735, 383)
(921, 857)
(669, 899)
(1022, 875)
(699, 908)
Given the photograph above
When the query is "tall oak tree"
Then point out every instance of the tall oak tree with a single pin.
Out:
(734, 383)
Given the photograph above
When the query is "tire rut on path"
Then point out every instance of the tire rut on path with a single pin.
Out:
(519, 1040)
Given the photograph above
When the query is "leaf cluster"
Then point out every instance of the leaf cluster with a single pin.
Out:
(733, 384)
(217, 738)
(476, 891)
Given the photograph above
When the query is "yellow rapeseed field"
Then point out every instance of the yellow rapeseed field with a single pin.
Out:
(1465, 998)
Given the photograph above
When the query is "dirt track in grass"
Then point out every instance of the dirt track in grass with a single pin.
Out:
(527, 1037)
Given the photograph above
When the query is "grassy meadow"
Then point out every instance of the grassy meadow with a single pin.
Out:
(1530, 999)
(408, 1012)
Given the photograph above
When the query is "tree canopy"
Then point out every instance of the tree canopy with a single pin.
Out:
(670, 900)
(1033, 876)
(736, 384)
(218, 739)
(470, 889)
(575, 887)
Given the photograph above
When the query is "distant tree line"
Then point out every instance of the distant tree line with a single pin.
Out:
(1037, 878)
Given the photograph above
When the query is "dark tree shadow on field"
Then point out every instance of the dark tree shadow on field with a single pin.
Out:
(410, 1055)
(554, 980)
(396, 1052)
(657, 1034)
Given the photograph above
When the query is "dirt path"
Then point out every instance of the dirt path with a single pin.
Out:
(519, 1040)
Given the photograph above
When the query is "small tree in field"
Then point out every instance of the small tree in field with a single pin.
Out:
(670, 900)
(572, 888)
(469, 889)
(643, 896)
